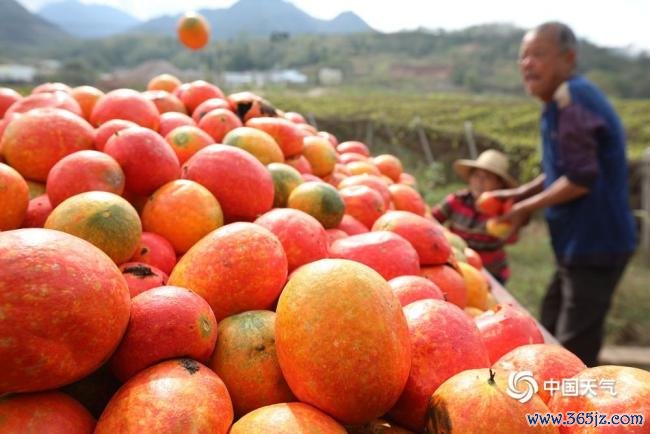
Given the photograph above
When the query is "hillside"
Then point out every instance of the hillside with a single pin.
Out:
(21, 30)
(480, 60)
(261, 18)
(87, 20)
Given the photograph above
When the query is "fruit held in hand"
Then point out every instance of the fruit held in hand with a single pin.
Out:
(498, 229)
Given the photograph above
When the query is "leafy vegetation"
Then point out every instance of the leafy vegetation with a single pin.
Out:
(506, 122)
(532, 266)
(480, 59)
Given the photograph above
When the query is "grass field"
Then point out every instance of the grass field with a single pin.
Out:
(512, 121)
(531, 258)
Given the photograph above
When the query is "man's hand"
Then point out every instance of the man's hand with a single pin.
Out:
(518, 216)
(561, 191)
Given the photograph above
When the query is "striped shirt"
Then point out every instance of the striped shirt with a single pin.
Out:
(459, 212)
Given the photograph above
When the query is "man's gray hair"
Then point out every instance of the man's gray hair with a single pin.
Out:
(565, 37)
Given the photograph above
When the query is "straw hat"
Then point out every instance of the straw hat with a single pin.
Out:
(493, 161)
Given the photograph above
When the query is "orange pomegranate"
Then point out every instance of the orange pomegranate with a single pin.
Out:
(407, 198)
(146, 158)
(51, 87)
(385, 252)
(256, 142)
(284, 132)
(506, 327)
(125, 104)
(47, 412)
(104, 219)
(474, 399)
(300, 163)
(352, 226)
(87, 97)
(342, 340)
(363, 167)
(408, 179)
(350, 157)
(194, 93)
(193, 30)
(247, 105)
(34, 142)
(171, 120)
(320, 154)
(363, 203)
(219, 122)
(409, 289)
(183, 212)
(57, 99)
(83, 171)
(285, 180)
(241, 184)
(38, 210)
(182, 394)
(473, 258)
(7, 98)
(629, 394)
(155, 250)
(303, 238)
(353, 146)
(14, 196)
(319, 200)
(289, 418)
(294, 117)
(426, 236)
(166, 322)
(545, 361)
(165, 101)
(141, 277)
(477, 286)
(106, 130)
(334, 234)
(239, 267)
(187, 140)
(246, 360)
(207, 106)
(371, 181)
(444, 342)
(450, 282)
(389, 165)
(166, 82)
(57, 326)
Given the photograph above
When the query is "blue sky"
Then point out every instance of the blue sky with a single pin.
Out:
(622, 23)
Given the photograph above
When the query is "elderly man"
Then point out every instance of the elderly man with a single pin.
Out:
(583, 189)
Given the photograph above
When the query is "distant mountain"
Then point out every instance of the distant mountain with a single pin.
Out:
(261, 18)
(21, 28)
(87, 20)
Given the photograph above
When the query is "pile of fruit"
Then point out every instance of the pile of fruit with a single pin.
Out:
(181, 260)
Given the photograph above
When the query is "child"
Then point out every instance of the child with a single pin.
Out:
(488, 172)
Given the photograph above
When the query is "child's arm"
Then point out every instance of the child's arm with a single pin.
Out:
(443, 210)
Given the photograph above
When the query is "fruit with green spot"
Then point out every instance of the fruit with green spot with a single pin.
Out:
(246, 360)
(104, 219)
(84, 171)
(166, 322)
